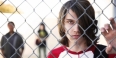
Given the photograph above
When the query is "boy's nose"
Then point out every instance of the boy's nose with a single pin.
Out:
(75, 28)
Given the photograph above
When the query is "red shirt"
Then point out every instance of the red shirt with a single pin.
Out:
(63, 52)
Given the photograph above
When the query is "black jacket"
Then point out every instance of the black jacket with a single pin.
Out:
(100, 52)
(43, 38)
(11, 44)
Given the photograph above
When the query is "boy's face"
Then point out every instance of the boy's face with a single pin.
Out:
(71, 26)
(11, 27)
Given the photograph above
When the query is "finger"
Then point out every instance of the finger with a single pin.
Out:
(112, 22)
(108, 49)
(108, 27)
(103, 31)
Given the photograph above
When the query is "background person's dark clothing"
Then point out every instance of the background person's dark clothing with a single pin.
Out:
(43, 35)
(10, 45)
(42, 46)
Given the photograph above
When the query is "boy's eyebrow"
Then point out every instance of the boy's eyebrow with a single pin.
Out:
(68, 19)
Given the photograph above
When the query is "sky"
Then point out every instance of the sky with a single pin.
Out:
(41, 7)
(32, 13)
(36, 11)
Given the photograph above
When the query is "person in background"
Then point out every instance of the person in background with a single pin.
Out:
(42, 36)
(78, 29)
(12, 45)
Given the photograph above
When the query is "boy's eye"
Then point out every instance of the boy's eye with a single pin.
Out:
(70, 22)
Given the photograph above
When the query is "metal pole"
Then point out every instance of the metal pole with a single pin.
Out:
(115, 9)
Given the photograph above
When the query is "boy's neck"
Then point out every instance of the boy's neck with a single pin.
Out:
(11, 32)
(78, 46)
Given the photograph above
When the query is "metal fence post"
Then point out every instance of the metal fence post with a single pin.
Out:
(114, 9)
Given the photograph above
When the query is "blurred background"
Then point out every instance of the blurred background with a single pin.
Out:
(27, 15)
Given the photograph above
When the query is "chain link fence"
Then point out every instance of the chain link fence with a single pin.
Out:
(28, 14)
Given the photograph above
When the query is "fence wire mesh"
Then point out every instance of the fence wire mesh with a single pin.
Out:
(27, 16)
